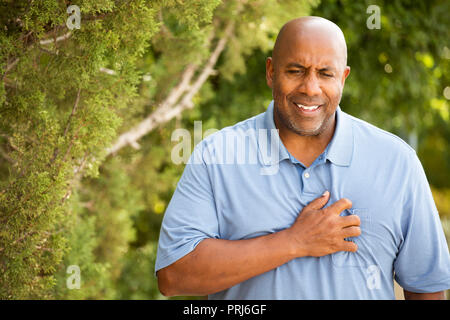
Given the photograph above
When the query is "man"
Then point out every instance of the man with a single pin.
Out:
(347, 209)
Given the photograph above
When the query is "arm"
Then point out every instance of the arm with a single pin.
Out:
(423, 260)
(424, 296)
(217, 264)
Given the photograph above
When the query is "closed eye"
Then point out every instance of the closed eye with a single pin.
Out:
(327, 72)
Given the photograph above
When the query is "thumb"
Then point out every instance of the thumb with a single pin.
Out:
(319, 202)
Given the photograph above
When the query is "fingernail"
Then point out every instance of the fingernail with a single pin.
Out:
(325, 194)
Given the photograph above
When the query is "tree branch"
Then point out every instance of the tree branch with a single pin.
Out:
(74, 109)
(9, 67)
(168, 110)
(108, 71)
(60, 38)
(146, 125)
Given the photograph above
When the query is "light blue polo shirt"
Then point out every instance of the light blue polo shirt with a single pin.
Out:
(226, 194)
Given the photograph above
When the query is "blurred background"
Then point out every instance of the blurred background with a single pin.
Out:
(89, 102)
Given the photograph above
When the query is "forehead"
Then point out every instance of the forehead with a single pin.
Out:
(310, 48)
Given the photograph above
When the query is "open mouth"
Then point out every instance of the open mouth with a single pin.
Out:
(307, 109)
(310, 108)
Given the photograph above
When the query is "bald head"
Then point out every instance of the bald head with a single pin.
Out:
(314, 30)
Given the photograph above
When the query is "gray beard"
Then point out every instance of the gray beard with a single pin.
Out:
(292, 127)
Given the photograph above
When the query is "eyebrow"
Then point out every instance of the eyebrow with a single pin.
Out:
(299, 66)
(295, 65)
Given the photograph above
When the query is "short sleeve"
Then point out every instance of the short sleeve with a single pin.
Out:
(423, 262)
(191, 214)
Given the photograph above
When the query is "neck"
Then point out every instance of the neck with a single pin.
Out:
(305, 148)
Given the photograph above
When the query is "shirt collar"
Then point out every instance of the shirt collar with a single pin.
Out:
(340, 148)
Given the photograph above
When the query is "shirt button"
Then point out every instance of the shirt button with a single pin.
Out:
(306, 175)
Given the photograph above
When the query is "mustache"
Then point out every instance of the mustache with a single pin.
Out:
(308, 100)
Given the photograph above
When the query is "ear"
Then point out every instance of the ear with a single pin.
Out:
(269, 71)
(345, 74)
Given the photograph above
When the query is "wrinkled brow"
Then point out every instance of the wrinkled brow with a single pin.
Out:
(299, 66)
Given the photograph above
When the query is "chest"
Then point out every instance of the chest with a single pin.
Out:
(258, 205)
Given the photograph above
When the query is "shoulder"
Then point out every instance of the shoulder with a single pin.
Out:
(241, 129)
(229, 142)
(368, 136)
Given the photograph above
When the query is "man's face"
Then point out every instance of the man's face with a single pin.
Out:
(307, 78)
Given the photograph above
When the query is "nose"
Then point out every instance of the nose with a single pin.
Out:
(310, 86)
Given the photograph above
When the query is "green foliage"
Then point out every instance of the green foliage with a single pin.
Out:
(80, 233)
(99, 231)
(137, 281)
(58, 114)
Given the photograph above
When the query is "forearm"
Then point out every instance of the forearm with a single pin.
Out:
(424, 296)
(217, 264)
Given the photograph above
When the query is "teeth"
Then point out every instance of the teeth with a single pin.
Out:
(307, 108)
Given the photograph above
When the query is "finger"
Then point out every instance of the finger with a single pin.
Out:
(351, 220)
(349, 246)
(339, 206)
(319, 202)
(351, 232)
